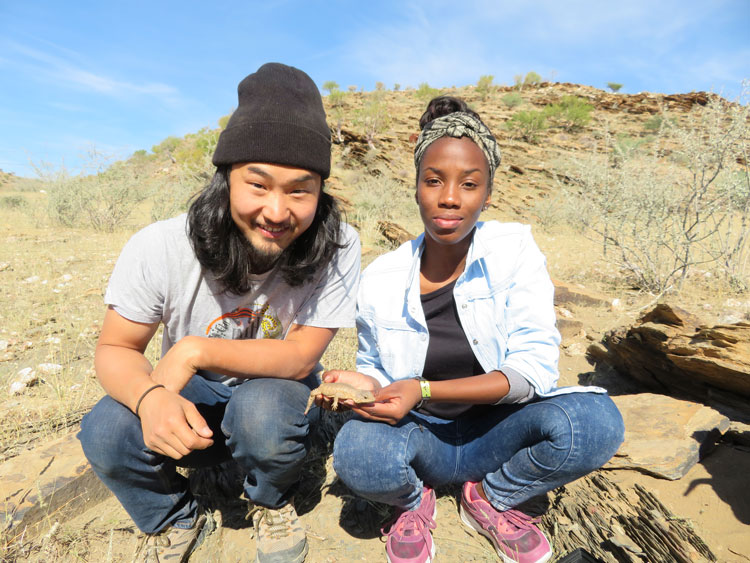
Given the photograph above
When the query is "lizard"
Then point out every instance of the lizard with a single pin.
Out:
(339, 391)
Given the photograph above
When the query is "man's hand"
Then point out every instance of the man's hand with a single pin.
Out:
(392, 403)
(179, 364)
(171, 424)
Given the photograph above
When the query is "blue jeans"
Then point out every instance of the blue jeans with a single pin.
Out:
(517, 451)
(259, 423)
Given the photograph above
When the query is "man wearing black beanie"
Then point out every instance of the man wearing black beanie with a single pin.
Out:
(251, 286)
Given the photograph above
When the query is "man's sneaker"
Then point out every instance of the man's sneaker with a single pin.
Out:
(279, 535)
(174, 544)
(514, 534)
(409, 538)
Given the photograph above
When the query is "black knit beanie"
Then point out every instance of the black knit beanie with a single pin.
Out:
(280, 120)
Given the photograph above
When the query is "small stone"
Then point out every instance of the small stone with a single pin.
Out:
(4, 266)
(25, 375)
(3, 345)
(576, 349)
(66, 277)
(31, 279)
(52, 340)
(616, 305)
(49, 369)
(17, 387)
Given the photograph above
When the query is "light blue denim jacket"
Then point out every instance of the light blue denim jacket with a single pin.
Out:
(504, 299)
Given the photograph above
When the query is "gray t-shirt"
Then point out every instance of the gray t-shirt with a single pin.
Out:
(158, 278)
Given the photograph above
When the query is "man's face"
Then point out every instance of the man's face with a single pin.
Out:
(272, 204)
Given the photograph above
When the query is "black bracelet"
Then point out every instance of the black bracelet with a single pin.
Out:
(146, 392)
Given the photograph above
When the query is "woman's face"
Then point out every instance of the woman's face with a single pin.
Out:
(452, 189)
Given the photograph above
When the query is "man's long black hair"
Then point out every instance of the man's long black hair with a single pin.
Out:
(223, 250)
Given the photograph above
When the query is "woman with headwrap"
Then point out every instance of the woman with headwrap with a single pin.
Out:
(457, 340)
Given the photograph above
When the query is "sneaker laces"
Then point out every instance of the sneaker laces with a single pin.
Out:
(519, 519)
(409, 522)
(277, 523)
(148, 545)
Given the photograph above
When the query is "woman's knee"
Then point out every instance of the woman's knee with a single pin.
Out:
(598, 428)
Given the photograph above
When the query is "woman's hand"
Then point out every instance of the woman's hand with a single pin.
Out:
(392, 403)
(353, 378)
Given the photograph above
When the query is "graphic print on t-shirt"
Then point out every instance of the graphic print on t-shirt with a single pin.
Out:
(243, 323)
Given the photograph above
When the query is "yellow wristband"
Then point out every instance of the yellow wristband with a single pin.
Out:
(425, 386)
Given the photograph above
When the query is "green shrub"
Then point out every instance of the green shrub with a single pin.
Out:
(484, 86)
(656, 121)
(13, 202)
(426, 93)
(373, 117)
(224, 121)
(527, 124)
(614, 86)
(571, 112)
(512, 99)
(331, 86)
(396, 87)
(531, 78)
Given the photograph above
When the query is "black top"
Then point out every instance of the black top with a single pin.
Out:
(449, 355)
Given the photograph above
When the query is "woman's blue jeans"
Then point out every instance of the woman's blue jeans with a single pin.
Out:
(260, 423)
(516, 451)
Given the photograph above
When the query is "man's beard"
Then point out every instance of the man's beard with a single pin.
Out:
(259, 260)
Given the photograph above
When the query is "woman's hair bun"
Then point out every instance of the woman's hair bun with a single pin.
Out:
(444, 105)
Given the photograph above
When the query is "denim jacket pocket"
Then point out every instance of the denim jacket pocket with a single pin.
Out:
(396, 347)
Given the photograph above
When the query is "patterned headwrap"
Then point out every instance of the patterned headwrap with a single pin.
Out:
(459, 124)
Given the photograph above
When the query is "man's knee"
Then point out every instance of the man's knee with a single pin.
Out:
(267, 413)
(107, 432)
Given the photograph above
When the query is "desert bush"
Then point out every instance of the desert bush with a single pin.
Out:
(13, 202)
(379, 87)
(396, 87)
(102, 199)
(512, 99)
(655, 122)
(380, 198)
(484, 86)
(173, 196)
(373, 117)
(683, 203)
(527, 125)
(224, 121)
(352, 88)
(571, 112)
(331, 86)
(530, 79)
(614, 86)
(425, 92)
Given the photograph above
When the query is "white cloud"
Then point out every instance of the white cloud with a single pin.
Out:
(62, 70)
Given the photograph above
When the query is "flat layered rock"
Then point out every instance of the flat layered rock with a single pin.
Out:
(664, 436)
(50, 483)
(671, 351)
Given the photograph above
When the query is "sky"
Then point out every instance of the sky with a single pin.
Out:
(117, 77)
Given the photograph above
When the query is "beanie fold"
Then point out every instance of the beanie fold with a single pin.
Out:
(276, 143)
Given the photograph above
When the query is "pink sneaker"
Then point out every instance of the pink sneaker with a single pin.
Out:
(513, 533)
(409, 538)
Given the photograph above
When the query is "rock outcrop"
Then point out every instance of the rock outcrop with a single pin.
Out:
(671, 351)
